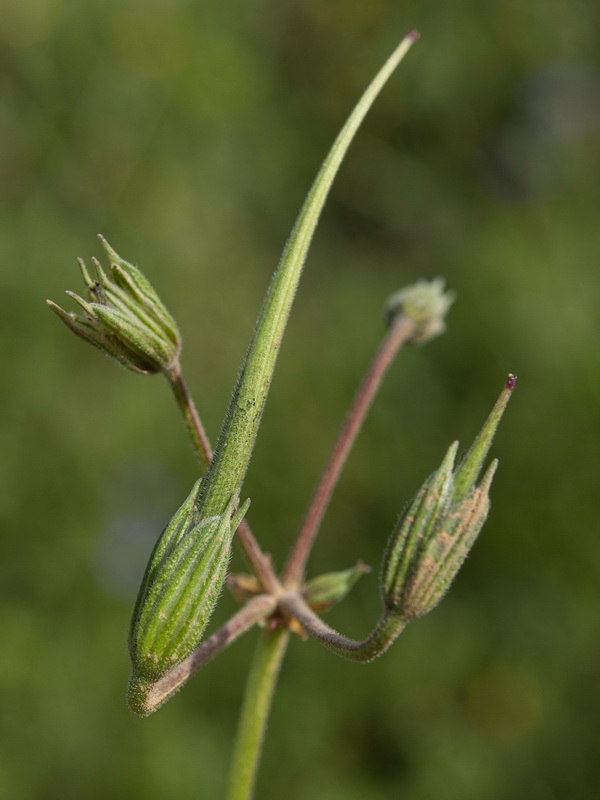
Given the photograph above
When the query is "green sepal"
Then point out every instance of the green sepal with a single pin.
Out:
(470, 465)
(138, 343)
(325, 591)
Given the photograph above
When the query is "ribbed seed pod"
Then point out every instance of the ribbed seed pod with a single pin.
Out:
(439, 526)
(413, 530)
(124, 317)
(181, 586)
(138, 293)
(447, 549)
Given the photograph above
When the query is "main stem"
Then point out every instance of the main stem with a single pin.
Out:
(399, 332)
(255, 713)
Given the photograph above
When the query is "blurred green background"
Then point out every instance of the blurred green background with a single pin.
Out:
(188, 133)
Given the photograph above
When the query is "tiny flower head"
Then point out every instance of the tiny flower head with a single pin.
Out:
(426, 304)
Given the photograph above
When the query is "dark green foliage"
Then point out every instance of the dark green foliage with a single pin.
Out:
(188, 133)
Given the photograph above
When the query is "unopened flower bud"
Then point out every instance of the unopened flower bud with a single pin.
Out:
(440, 525)
(124, 317)
(179, 592)
(443, 555)
(426, 303)
(243, 586)
(324, 591)
(414, 528)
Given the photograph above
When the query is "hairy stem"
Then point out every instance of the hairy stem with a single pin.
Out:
(384, 634)
(257, 560)
(189, 412)
(255, 713)
(256, 609)
(399, 332)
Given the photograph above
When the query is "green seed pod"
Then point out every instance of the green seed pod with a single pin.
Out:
(413, 530)
(439, 526)
(124, 317)
(324, 591)
(446, 550)
(179, 592)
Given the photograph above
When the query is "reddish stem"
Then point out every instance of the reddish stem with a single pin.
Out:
(193, 423)
(399, 332)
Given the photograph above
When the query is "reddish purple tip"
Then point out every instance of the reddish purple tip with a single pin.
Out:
(511, 381)
(413, 35)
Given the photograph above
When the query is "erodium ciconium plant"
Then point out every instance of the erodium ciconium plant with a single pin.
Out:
(123, 316)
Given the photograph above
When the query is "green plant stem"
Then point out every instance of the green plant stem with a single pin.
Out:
(398, 334)
(261, 683)
(257, 560)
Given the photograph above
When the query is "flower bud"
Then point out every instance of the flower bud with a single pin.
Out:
(415, 527)
(426, 303)
(124, 317)
(439, 526)
(180, 589)
(444, 553)
(243, 586)
(324, 591)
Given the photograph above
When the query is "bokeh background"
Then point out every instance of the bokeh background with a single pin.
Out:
(187, 132)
